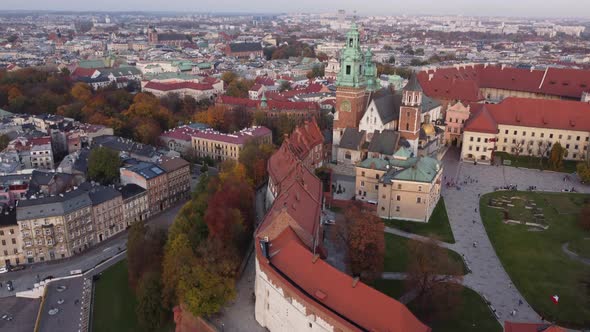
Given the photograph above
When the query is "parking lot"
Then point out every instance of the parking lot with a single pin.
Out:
(23, 312)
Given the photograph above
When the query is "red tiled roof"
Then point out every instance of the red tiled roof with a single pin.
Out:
(304, 138)
(464, 82)
(41, 140)
(178, 85)
(239, 137)
(530, 327)
(83, 72)
(256, 87)
(538, 113)
(298, 206)
(280, 164)
(482, 121)
(360, 304)
(183, 133)
(265, 81)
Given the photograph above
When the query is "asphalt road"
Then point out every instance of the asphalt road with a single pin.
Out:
(25, 279)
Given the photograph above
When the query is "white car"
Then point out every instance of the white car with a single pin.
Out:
(3, 269)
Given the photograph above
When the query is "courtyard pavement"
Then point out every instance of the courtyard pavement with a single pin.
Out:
(488, 276)
(23, 312)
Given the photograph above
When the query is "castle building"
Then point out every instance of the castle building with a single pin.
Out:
(364, 110)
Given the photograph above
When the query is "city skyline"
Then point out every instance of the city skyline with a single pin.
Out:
(526, 8)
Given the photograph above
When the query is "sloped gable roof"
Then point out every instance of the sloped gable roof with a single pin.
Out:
(482, 121)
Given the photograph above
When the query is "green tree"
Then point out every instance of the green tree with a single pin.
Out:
(4, 140)
(103, 165)
(556, 159)
(584, 172)
(285, 85)
(150, 312)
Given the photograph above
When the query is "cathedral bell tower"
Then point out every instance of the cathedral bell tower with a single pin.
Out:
(410, 115)
(351, 87)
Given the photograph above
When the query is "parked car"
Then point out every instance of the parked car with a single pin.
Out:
(17, 268)
(3, 269)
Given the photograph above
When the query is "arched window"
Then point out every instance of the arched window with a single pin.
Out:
(407, 126)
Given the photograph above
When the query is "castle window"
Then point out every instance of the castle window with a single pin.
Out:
(350, 42)
(407, 126)
(347, 69)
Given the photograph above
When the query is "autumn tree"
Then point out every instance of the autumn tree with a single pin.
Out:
(254, 157)
(542, 150)
(362, 232)
(556, 159)
(4, 141)
(584, 218)
(583, 171)
(149, 310)
(434, 277)
(81, 92)
(517, 147)
(214, 117)
(144, 252)
(147, 114)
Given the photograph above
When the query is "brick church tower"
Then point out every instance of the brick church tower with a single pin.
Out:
(410, 115)
(351, 88)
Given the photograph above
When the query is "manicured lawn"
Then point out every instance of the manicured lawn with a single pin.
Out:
(114, 303)
(437, 226)
(534, 259)
(396, 255)
(392, 288)
(569, 166)
(472, 315)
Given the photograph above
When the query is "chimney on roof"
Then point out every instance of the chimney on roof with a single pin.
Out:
(264, 248)
(430, 76)
(315, 258)
(355, 281)
(503, 66)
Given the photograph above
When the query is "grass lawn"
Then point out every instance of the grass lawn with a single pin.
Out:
(472, 315)
(114, 303)
(569, 166)
(534, 259)
(438, 224)
(396, 254)
(581, 247)
(392, 288)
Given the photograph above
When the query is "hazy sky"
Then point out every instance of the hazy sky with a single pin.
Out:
(561, 8)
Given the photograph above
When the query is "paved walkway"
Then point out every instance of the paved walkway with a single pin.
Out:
(421, 238)
(573, 255)
(488, 276)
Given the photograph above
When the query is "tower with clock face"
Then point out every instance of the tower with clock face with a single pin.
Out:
(351, 88)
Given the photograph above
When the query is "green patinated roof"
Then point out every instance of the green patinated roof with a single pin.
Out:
(170, 75)
(424, 169)
(92, 64)
(403, 153)
(380, 164)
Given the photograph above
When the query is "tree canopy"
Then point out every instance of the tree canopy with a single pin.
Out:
(103, 165)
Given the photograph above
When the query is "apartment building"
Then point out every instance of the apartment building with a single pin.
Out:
(10, 239)
(107, 211)
(135, 204)
(219, 146)
(56, 226)
(179, 178)
(152, 178)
